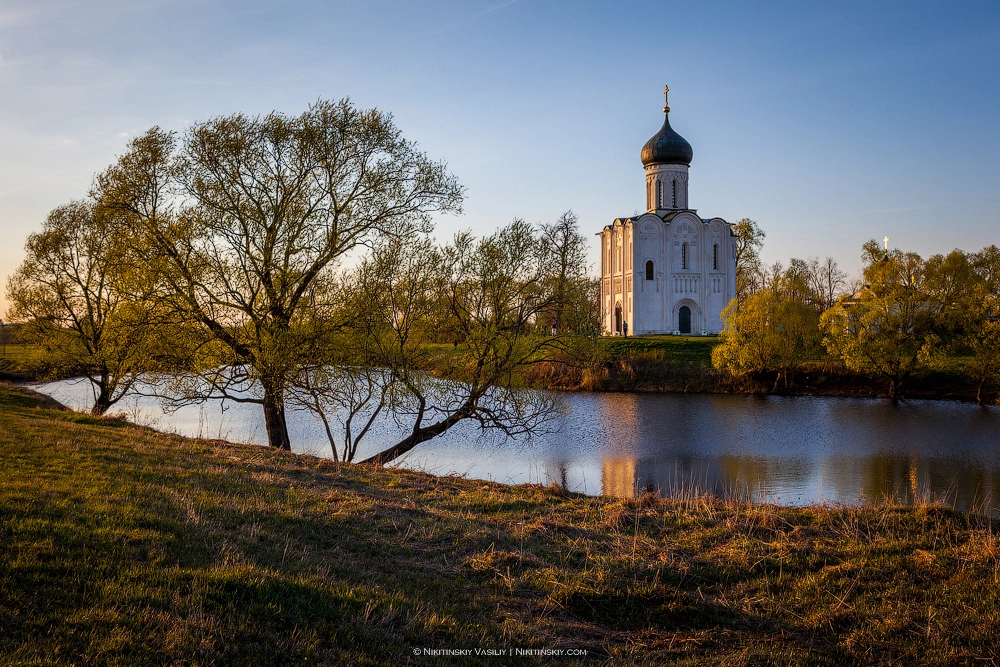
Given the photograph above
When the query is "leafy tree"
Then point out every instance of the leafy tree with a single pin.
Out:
(986, 264)
(571, 305)
(494, 289)
(388, 309)
(83, 300)
(795, 282)
(749, 271)
(586, 307)
(981, 326)
(774, 329)
(245, 219)
(982, 336)
(891, 327)
(950, 282)
(910, 312)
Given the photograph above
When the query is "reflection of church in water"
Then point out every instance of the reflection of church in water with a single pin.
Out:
(667, 270)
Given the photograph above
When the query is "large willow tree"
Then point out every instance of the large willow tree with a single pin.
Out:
(242, 221)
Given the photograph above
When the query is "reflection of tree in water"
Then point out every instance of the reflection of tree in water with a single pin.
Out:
(799, 449)
(620, 420)
(683, 475)
(964, 485)
(558, 473)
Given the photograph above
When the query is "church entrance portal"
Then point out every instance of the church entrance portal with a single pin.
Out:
(684, 315)
(618, 318)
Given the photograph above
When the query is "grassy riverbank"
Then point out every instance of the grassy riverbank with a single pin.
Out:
(120, 545)
(684, 364)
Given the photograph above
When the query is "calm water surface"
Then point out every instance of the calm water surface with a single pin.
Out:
(792, 451)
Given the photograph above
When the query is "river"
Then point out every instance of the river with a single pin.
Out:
(788, 450)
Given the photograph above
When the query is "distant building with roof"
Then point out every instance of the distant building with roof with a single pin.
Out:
(667, 270)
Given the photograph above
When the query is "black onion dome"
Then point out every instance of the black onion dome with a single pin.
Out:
(667, 147)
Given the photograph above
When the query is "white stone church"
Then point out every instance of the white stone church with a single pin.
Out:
(668, 270)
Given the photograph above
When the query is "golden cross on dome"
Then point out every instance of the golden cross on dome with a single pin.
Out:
(666, 100)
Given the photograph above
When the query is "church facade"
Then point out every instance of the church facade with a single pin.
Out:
(668, 270)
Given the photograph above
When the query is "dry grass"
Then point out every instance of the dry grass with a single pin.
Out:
(119, 545)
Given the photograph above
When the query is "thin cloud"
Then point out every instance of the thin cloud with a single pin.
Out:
(10, 19)
(465, 19)
(36, 181)
(32, 14)
(902, 209)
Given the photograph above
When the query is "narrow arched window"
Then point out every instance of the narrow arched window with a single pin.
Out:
(659, 194)
(673, 195)
(649, 270)
(715, 256)
(684, 256)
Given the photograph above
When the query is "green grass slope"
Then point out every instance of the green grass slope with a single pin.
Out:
(123, 546)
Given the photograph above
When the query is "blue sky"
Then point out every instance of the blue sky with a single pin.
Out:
(828, 123)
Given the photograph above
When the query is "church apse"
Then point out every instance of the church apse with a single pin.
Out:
(653, 261)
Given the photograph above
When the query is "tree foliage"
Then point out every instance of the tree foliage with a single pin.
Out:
(773, 323)
(904, 315)
(980, 321)
(492, 291)
(387, 310)
(773, 330)
(233, 235)
(84, 302)
(574, 296)
(9, 335)
(749, 270)
(244, 220)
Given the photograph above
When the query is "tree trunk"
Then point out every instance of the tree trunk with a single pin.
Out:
(102, 404)
(979, 391)
(901, 386)
(420, 435)
(274, 419)
(103, 401)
